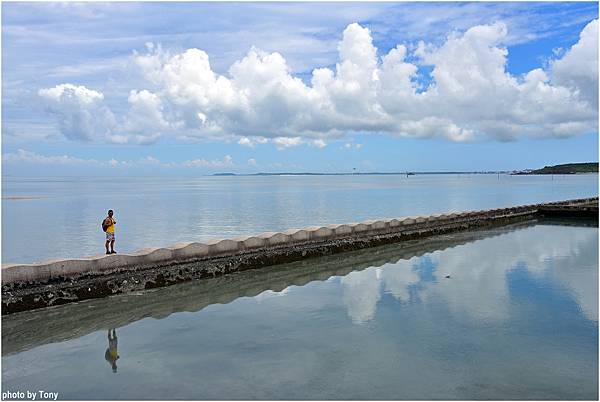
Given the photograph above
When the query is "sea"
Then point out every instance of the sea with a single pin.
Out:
(507, 312)
(59, 217)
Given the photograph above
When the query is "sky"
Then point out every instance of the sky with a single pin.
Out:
(191, 88)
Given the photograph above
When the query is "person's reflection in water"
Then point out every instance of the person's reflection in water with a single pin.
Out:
(111, 355)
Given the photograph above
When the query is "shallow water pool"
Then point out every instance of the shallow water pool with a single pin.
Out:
(507, 313)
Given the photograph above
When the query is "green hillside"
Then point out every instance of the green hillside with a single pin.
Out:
(568, 168)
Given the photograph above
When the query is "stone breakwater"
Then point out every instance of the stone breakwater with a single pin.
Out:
(31, 286)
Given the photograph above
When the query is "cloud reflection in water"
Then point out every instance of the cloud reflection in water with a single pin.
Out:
(479, 282)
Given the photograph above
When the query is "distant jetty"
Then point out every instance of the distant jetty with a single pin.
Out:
(408, 173)
(32, 286)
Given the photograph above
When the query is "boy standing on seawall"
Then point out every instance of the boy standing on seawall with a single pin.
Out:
(108, 225)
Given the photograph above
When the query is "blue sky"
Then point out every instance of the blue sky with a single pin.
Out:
(114, 88)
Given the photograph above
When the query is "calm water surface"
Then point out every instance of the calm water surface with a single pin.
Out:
(46, 218)
(517, 319)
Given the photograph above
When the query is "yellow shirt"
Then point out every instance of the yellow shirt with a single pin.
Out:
(111, 228)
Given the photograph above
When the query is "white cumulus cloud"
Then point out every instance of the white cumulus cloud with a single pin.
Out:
(252, 142)
(24, 156)
(319, 143)
(144, 121)
(578, 69)
(79, 110)
(287, 142)
(351, 145)
(469, 94)
(227, 161)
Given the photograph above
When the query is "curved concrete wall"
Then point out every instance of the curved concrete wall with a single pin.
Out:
(185, 252)
(23, 332)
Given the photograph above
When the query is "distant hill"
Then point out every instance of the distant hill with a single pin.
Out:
(568, 168)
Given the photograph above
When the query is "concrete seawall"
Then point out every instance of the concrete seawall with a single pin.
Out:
(39, 327)
(30, 286)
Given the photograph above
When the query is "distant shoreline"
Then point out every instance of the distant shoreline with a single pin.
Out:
(21, 197)
(517, 173)
(566, 169)
(351, 174)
